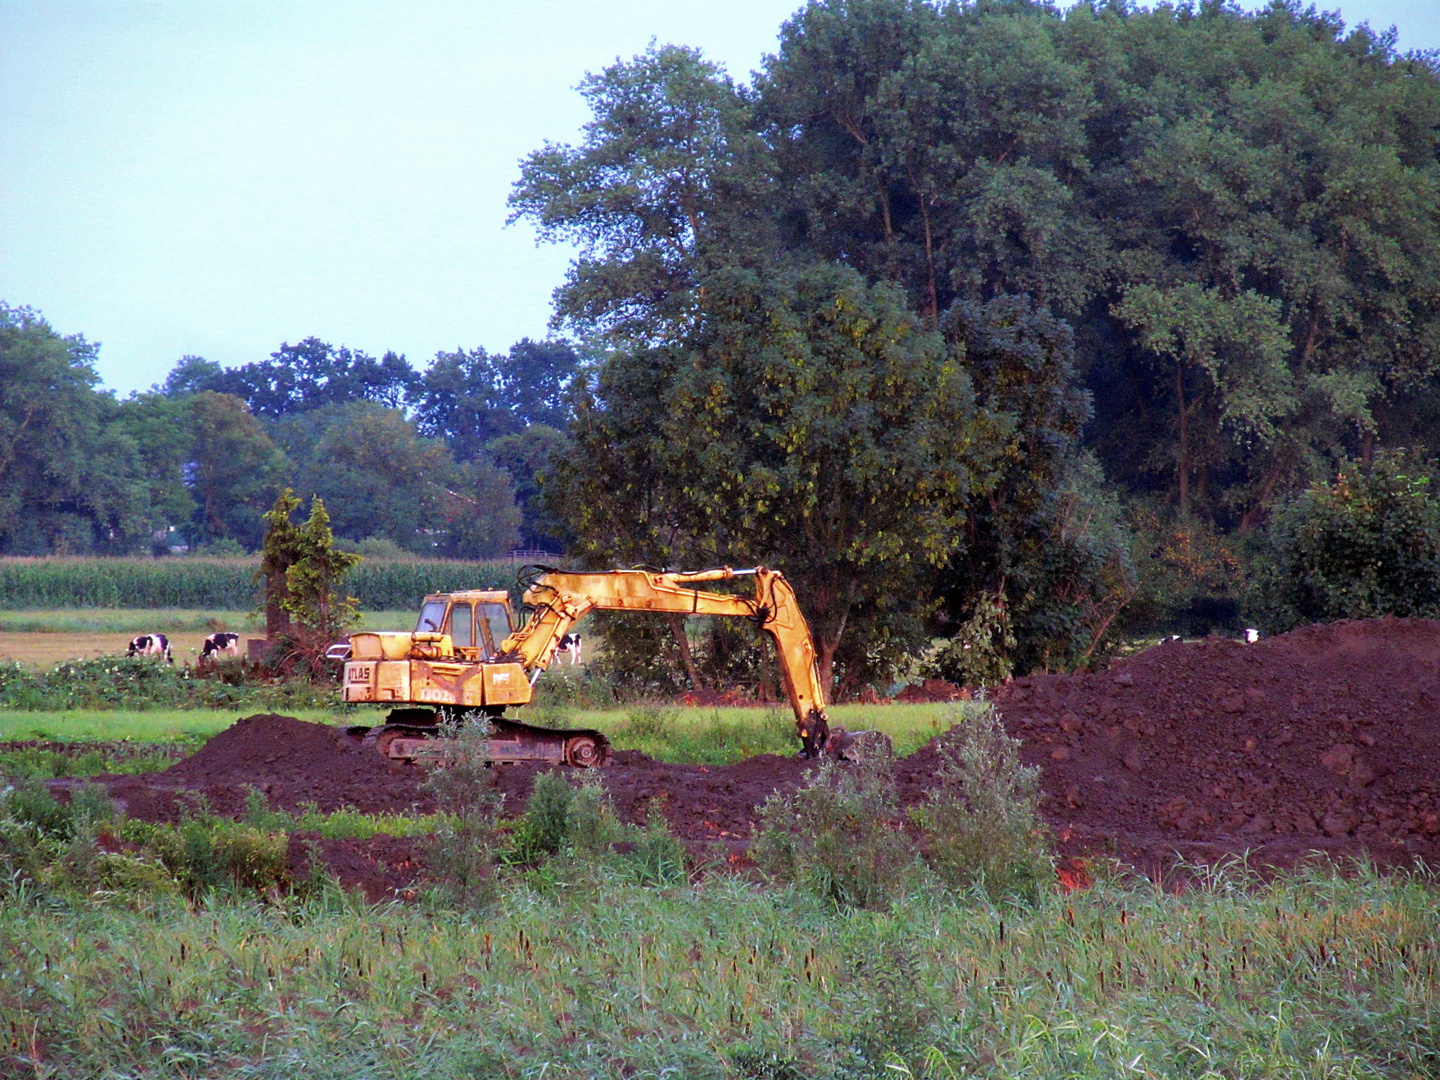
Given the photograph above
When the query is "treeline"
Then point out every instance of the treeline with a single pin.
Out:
(983, 321)
(442, 461)
(223, 584)
(993, 320)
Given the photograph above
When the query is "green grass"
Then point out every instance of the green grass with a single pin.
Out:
(164, 621)
(697, 734)
(1312, 976)
(159, 725)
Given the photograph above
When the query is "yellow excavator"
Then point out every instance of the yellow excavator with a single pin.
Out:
(465, 658)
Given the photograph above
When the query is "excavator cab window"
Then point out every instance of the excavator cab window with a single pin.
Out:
(432, 617)
(493, 621)
(462, 626)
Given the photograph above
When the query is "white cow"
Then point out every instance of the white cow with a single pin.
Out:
(570, 643)
(223, 643)
(150, 645)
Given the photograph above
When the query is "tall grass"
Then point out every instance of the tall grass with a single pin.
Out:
(229, 584)
(1311, 976)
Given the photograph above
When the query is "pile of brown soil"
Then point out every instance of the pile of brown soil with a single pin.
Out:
(382, 867)
(1327, 738)
(290, 761)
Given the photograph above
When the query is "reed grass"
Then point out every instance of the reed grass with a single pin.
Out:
(1313, 976)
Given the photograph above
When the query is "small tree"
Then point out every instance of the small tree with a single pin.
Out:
(312, 580)
(280, 552)
(302, 570)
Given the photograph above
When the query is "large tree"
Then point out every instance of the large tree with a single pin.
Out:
(307, 375)
(237, 468)
(1240, 213)
(70, 480)
(810, 423)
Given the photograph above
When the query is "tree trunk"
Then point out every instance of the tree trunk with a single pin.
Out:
(677, 627)
(1183, 451)
(825, 661)
(277, 619)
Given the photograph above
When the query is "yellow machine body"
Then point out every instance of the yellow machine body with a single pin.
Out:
(465, 652)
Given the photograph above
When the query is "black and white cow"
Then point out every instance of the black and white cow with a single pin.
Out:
(222, 644)
(150, 645)
(570, 643)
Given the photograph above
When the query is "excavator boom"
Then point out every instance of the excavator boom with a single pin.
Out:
(559, 599)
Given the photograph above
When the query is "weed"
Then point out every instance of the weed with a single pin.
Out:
(651, 721)
(463, 850)
(838, 837)
(657, 859)
(979, 824)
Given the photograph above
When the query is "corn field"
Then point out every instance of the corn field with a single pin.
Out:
(225, 584)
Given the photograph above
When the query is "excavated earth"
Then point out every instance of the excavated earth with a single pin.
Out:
(1325, 739)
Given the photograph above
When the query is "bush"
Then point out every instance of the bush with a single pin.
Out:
(980, 652)
(541, 832)
(205, 854)
(565, 818)
(651, 721)
(1364, 546)
(117, 682)
(463, 849)
(979, 824)
(839, 836)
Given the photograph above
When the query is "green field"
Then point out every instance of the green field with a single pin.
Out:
(697, 734)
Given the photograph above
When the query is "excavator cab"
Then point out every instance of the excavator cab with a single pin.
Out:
(476, 622)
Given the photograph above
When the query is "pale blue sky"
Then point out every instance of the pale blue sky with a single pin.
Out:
(212, 178)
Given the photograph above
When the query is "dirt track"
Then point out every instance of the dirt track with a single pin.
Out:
(1325, 739)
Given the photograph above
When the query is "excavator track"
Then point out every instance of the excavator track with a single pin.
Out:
(408, 738)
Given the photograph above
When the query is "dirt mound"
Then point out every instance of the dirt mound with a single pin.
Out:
(290, 761)
(1326, 738)
(932, 690)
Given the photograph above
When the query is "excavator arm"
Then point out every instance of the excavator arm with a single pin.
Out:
(559, 599)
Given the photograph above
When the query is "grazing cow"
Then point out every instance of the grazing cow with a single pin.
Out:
(221, 644)
(150, 645)
(856, 746)
(570, 643)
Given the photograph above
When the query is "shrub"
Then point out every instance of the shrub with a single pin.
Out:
(657, 859)
(1364, 546)
(980, 652)
(463, 849)
(839, 836)
(651, 721)
(979, 824)
(542, 830)
(205, 854)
